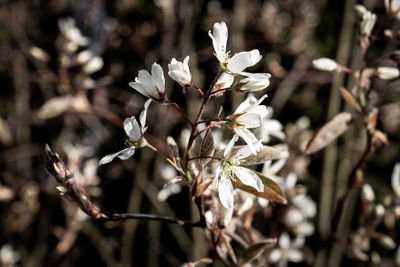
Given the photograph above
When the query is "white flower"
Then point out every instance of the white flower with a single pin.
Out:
(325, 64)
(249, 114)
(180, 72)
(367, 23)
(239, 61)
(306, 205)
(253, 82)
(229, 170)
(287, 251)
(135, 135)
(71, 32)
(396, 179)
(152, 86)
(270, 127)
(387, 73)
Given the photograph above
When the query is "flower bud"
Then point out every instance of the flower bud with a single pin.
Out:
(326, 64)
(254, 82)
(180, 72)
(387, 73)
(367, 23)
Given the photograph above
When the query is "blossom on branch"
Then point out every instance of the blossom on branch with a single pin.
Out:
(229, 171)
(180, 72)
(135, 132)
(151, 85)
(249, 114)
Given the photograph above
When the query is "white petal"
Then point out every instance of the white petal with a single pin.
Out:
(219, 38)
(224, 81)
(243, 60)
(243, 152)
(225, 191)
(284, 241)
(247, 103)
(254, 144)
(124, 152)
(249, 120)
(186, 64)
(214, 184)
(275, 256)
(229, 147)
(144, 89)
(132, 128)
(157, 75)
(295, 255)
(248, 177)
(143, 114)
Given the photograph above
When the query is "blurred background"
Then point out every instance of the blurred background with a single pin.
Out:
(64, 73)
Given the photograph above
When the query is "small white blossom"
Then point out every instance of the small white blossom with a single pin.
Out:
(287, 251)
(325, 64)
(306, 205)
(71, 32)
(135, 134)
(152, 86)
(180, 72)
(230, 170)
(94, 64)
(387, 73)
(249, 114)
(253, 82)
(238, 62)
(367, 23)
(367, 192)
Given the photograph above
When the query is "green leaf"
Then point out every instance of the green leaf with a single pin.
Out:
(272, 191)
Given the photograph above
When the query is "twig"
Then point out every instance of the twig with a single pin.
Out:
(75, 194)
(180, 111)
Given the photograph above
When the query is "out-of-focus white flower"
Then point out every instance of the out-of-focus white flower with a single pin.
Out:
(230, 170)
(39, 54)
(168, 173)
(94, 64)
(152, 86)
(387, 73)
(306, 205)
(71, 32)
(287, 251)
(367, 192)
(8, 256)
(396, 179)
(393, 7)
(360, 9)
(305, 228)
(180, 72)
(253, 82)
(84, 56)
(379, 210)
(270, 127)
(293, 217)
(249, 114)
(238, 62)
(135, 136)
(367, 23)
(326, 64)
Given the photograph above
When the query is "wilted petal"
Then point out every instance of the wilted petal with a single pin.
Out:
(219, 38)
(132, 128)
(225, 191)
(243, 60)
(248, 177)
(123, 154)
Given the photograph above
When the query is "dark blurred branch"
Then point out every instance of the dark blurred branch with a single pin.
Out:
(75, 194)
